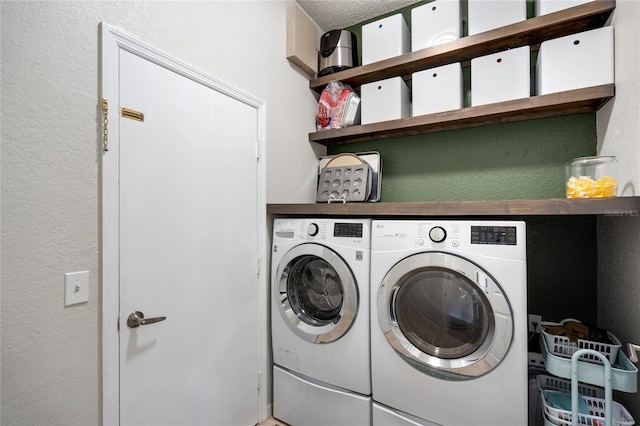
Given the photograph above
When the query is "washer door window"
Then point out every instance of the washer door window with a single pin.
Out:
(316, 292)
(445, 315)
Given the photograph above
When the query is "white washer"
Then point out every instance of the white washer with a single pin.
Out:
(449, 320)
(320, 321)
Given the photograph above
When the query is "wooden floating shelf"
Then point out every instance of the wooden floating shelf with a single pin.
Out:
(620, 206)
(530, 32)
(564, 103)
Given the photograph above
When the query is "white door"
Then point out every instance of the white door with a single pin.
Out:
(188, 251)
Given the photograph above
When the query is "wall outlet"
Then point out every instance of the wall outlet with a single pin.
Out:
(534, 323)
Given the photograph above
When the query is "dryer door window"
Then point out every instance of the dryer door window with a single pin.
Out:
(442, 313)
(316, 293)
(445, 315)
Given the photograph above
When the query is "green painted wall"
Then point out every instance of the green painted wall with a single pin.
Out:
(523, 160)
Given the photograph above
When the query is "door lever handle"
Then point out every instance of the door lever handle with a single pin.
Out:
(136, 319)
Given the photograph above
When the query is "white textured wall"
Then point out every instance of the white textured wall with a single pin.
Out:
(619, 286)
(619, 120)
(51, 170)
(619, 232)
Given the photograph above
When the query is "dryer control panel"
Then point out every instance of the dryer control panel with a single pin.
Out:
(505, 239)
(498, 235)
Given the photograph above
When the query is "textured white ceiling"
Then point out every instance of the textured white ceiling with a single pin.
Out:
(339, 14)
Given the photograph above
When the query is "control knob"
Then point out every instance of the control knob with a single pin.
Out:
(437, 234)
(312, 229)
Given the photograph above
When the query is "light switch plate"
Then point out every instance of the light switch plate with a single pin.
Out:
(76, 288)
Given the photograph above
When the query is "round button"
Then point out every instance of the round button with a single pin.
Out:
(312, 229)
(437, 234)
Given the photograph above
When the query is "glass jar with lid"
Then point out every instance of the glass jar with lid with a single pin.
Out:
(592, 177)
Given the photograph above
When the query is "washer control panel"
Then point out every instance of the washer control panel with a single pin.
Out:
(348, 232)
(340, 230)
(437, 234)
(348, 229)
(312, 229)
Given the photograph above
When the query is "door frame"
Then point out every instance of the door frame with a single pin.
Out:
(114, 39)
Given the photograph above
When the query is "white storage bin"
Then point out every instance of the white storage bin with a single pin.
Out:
(385, 38)
(576, 61)
(485, 15)
(384, 100)
(435, 23)
(549, 6)
(500, 76)
(437, 89)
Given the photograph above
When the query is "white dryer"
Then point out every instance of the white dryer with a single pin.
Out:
(320, 321)
(449, 320)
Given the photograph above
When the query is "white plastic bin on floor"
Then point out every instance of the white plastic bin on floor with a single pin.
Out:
(435, 23)
(485, 15)
(544, 7)
(576, 61)
(384, 100)
(437, 89)
(384, 39)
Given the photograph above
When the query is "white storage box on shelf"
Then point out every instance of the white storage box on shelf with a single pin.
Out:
(435, 23)
(501, 76)
(485, 15)
(384, 100)
(576, 61)
(544, 7)
(384, 39)
(437, 89)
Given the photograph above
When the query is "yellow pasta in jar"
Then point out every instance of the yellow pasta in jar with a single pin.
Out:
(585, 187)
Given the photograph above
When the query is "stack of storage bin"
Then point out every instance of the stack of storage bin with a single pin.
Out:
(441, 88)
(585, 372)
(566, 63)
(387, 99)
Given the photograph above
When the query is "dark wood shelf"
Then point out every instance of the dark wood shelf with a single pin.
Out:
(555, 104)
(530, 32)
(621, 206)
